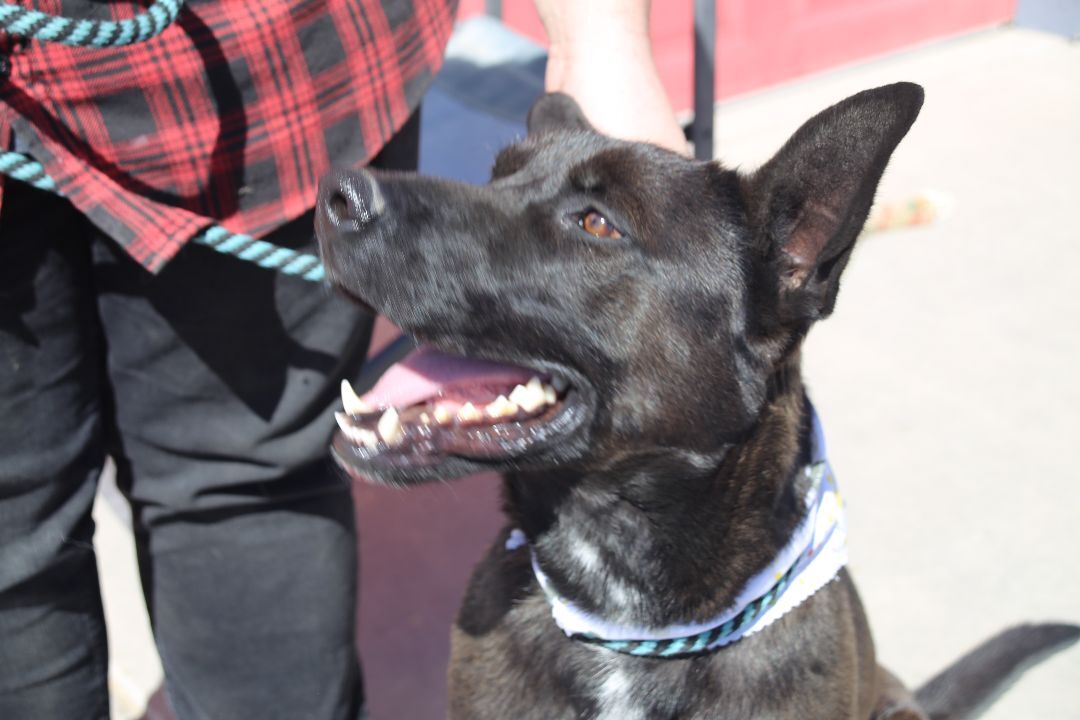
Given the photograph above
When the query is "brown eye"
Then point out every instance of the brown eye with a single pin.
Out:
(599, 226)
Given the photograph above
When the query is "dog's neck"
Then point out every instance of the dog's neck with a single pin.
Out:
(670, 536)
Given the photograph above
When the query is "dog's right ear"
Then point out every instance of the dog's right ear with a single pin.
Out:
(808, 204)
(554, 112)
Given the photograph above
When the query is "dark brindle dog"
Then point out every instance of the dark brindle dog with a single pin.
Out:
(617, 329)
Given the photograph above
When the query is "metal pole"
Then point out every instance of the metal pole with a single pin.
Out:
(494, 8)
(701, 132)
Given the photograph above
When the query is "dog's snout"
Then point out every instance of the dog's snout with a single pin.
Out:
(349, 201)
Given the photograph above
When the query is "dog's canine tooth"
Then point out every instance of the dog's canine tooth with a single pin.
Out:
(343, 422)
(529, 397)
(442, 415)
(352, 402)
(469, 413)
(501, 407)
(389, 427)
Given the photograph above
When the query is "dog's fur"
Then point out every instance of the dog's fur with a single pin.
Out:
(671, 482)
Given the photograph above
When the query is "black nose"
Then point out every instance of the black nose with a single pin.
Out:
(348, 202)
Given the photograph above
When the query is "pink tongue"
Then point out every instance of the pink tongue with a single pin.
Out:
(426, 372)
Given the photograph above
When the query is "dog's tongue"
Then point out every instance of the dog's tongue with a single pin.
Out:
(427, 372)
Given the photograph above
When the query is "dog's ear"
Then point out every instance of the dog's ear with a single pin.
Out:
(554, 112)
(808, 204)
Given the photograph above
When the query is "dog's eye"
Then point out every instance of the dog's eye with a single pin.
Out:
(597, 225)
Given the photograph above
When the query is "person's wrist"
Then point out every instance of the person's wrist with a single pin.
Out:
(569, 54)
(619, 91)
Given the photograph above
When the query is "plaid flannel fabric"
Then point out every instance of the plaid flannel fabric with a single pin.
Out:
(230, 116)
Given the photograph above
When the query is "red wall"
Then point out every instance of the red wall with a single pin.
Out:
(762, 42)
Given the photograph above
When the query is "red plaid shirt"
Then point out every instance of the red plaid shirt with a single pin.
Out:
(229, 116)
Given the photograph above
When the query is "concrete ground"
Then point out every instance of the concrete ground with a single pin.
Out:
(946, 379)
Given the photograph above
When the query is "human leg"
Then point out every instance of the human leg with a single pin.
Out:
(53, 654)
(224, 378)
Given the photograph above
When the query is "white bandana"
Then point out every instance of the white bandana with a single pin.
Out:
(810, 560)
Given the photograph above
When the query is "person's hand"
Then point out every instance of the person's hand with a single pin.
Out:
(600, 55)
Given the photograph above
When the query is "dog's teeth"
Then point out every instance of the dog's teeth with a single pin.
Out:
(361, 436)
(502, 407)
(425, 418)
(390, 427)
(529, 397)
(365, 437)
(469, 413)
(442, 415)
(343, 422)
(352, 402)
(550, 396)
(518, 395)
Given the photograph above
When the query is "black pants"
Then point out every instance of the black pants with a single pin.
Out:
(213, 386)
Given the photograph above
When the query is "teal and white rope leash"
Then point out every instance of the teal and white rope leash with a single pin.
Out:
(36, 25)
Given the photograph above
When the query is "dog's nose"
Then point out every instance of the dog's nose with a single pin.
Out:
(348, 201)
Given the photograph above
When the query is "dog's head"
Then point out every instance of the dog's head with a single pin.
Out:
(614, 295)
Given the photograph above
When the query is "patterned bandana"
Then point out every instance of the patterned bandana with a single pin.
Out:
(810, 560)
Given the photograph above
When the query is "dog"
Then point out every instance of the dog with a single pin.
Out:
(616, 328)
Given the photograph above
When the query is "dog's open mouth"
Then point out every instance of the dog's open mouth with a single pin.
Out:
(432, 406)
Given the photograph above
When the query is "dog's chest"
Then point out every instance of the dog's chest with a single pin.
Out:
(625, 688)
(615, 698)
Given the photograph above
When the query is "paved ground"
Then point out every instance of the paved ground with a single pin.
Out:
(946, 380)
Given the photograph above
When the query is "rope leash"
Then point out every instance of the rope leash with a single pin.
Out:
(36, 25)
